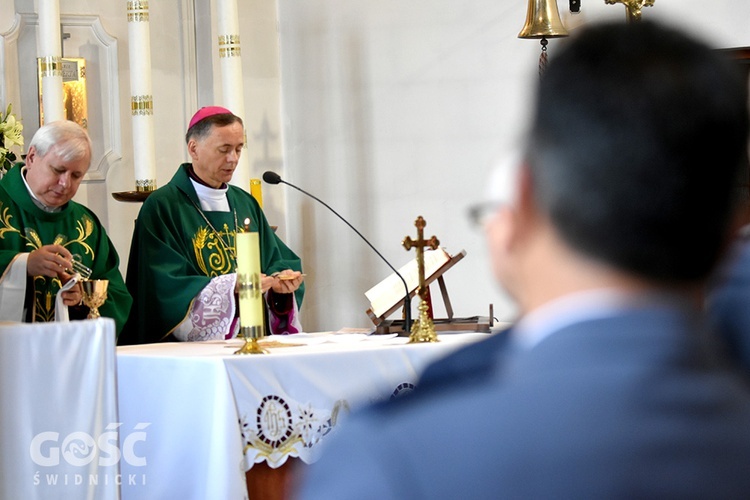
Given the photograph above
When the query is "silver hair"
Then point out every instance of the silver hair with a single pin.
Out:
(71, 140)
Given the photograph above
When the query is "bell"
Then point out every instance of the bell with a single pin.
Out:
(543, 20)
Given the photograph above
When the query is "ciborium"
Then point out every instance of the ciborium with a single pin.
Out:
(94, 295)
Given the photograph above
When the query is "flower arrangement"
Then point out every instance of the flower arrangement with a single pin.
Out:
(10, 135)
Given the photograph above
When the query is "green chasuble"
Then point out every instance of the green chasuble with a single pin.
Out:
(24, 227)
(178, 249)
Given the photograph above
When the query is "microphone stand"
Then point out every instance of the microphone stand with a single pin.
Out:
(407, 296)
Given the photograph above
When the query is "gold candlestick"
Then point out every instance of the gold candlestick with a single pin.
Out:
(423, 329)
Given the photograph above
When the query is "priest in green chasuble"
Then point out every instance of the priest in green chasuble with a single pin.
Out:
(182, 267)
(42, 230)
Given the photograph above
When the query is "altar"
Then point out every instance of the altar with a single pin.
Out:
(206, 416)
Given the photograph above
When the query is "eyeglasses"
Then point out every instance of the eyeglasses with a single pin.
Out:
(480, 213)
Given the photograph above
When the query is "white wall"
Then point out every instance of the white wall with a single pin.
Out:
(387, 110)
(397, 109)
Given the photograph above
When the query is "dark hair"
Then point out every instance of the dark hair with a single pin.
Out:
(636, 145)
(203, 127)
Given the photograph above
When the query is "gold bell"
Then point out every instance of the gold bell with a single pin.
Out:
(543, 21)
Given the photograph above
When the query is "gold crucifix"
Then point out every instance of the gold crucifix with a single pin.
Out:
(423, 329)
(633, 7)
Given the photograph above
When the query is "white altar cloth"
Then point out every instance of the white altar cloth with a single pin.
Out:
(210, 415)
(58, 411)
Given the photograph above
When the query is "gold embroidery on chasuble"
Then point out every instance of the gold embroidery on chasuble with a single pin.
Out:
(46, 288)
(5, 218)
(211, 252)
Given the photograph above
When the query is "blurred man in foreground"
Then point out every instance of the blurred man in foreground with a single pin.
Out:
(610, 385)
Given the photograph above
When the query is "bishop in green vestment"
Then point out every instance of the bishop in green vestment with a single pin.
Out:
(42, 229)
(181, 270)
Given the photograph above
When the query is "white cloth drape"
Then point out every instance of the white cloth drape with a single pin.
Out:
(212, 414)
(13, 289)
(58, 411)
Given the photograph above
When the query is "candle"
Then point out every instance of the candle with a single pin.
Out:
(256, 191)
(49, 52)
(141, 97)
(49, 41)
(248, 275)
(232, 81)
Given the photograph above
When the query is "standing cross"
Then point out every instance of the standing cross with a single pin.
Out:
(634, 7)
(419, 244)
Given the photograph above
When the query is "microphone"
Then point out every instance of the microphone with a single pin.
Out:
(274, 178)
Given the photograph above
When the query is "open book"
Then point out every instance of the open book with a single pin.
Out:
(388, 295)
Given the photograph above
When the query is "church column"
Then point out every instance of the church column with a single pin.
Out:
(232, 83)
(49, 52)
(141, 98)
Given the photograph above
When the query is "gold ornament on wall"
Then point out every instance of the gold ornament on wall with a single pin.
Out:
(634, 7)
(73, 70)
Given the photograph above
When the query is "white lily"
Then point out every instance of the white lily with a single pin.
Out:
(10, 130)
(10, 135)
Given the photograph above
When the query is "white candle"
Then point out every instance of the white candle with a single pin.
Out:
(232, 83)
(141, 98)
(49, 29)
(49, 51)
(248, 275)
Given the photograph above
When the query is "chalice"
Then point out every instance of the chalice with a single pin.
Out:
(94, 295)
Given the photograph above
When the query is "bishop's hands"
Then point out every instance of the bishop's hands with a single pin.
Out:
(55, 261)
(287, 281)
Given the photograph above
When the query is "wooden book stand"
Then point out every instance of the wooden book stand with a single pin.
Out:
(449, 324)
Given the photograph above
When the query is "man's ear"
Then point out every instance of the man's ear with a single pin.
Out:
(740, 220)
(30, 157)
(739, 227)
(192, 147)
(509, 227)
(526, 205)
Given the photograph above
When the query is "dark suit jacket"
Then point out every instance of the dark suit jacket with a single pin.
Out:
(467, 365)
(634, 406)
(728, 303)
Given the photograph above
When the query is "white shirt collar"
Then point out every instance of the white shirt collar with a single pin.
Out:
(570, 309)
(212, 200)
(36, 200)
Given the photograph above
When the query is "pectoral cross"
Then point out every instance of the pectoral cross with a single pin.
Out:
(423, 329)
(633, 7)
